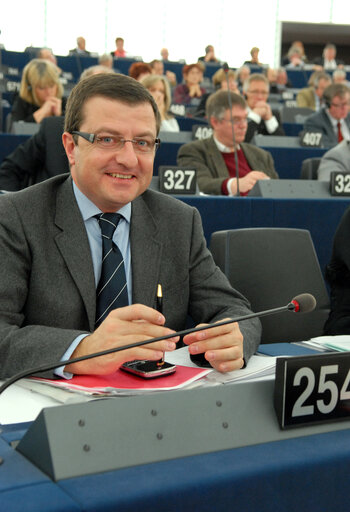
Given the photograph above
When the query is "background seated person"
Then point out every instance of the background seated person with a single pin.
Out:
(282, 79)
(254, 61)
(328, 60)
(40, 93)
(242, 74)
(158, 86)
(80, 49)
(158, 69)
(261, 119)
(311, 96)
(300, 46)
(106, 60)
(219, 80)
(339, 77)
(119, 48)
(139, 70)
(333, 121)
(189, 92)
(336, 159)
(214, 157)
(295, 58)
(338, 277)
(209, 54)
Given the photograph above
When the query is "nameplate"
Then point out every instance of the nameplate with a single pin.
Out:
(310, 139)
(312, 389)
(177, 180)
(200, 132)
(179, 110)
(340, 183)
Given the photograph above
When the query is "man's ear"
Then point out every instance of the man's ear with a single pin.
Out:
(69, 146)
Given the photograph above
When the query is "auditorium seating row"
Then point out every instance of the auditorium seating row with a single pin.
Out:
(74, 65)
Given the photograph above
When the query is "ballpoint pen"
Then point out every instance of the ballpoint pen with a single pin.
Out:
(160, 309)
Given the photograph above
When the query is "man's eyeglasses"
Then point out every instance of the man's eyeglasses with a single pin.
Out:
(255, 92)
(114, 142)
(340, 105)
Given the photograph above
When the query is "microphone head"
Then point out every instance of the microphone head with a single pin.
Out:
(225, 67)
(303, 303)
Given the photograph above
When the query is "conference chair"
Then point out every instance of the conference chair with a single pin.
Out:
(309, 168)
(270, 266)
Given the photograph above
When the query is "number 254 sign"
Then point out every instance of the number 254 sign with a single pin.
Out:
(312, 389)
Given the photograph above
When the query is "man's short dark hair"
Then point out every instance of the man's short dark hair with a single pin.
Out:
(218, 103)
(112, 86)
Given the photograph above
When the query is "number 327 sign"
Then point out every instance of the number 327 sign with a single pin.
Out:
(312, 389)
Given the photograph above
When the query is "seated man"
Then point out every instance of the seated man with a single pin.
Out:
(336, 159)
(38, 158)
(338, 277)
(311, 97)
(333, 121)
(261, 119)
(58, 300)
(214, 158)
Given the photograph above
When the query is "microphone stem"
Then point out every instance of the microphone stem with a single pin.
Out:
(233, 132)
(52, 366)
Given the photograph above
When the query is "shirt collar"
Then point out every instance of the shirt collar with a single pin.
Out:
(221, 147)
(88, 209)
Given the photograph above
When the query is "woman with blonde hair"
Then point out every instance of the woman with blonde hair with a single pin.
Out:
(40, 93)
(159, 87)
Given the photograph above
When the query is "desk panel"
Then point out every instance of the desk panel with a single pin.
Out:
(320, 216)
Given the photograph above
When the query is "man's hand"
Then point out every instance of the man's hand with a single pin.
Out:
(123, 326)
(248, 181)
(263, 109)
(222, 346)
(195, 90)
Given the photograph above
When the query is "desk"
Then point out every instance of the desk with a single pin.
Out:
(304, 474)
(320, 216)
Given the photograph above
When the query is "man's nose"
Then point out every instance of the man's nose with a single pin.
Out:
(126, 155)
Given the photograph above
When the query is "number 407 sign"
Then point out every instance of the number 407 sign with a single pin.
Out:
(312, 389)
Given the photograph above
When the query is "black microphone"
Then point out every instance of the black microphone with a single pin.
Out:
(303, 303)
(226, 69)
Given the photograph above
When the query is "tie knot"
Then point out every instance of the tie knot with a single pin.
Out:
(108, 223)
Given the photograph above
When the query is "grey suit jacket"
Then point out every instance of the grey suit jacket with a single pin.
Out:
(320, 122)
(211, 168)
(336, 159)
(47, 288)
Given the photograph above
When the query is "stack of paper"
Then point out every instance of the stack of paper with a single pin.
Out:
(122, 383)
(330, 343)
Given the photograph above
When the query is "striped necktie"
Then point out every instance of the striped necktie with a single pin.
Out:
(111, 291)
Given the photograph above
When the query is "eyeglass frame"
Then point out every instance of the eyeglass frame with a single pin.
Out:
(93, 137)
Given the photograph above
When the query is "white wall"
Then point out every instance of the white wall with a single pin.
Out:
(183, 26)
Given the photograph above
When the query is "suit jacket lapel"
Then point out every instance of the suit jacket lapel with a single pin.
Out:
(74, 246)
(217, 160)
(146, 250)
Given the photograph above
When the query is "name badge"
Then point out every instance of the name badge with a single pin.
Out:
(312, 389)
(340, 183)
(310, 139)
(177, 180)
(200, 132)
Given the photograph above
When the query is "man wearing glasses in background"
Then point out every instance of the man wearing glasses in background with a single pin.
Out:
(333, 121)
(53, 243)
(214, 158)
(261, 119)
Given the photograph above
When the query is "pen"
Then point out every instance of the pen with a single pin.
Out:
(160, 309)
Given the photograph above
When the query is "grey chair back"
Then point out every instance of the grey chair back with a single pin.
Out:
(270, 266)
